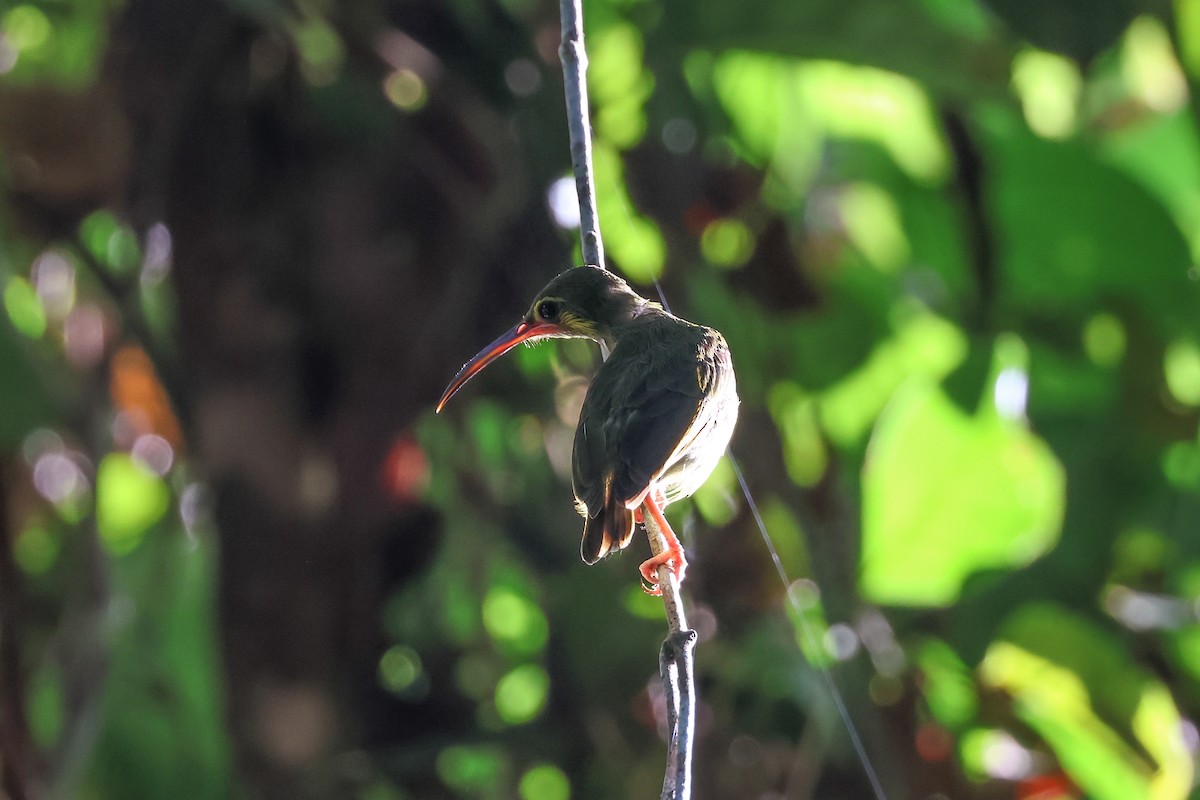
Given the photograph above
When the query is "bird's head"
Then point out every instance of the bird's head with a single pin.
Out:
(585, 303)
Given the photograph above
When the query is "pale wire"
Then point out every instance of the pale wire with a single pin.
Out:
(806, 629)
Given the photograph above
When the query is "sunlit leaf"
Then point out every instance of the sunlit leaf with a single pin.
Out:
(1066, 250)
(1076, 685)
(619, 83)
(783, 110)
(1163, 155)
(873, 225)
(925, 345)
(947, 684)
(1049, 86)
(946, 495)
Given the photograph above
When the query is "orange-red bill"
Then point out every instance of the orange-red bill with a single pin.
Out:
(507, 341)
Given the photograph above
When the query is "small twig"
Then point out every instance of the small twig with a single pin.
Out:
(573, 55)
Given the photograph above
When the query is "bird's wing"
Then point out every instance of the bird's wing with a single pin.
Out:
(634, 425)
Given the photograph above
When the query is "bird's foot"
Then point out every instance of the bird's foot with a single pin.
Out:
(649, 569)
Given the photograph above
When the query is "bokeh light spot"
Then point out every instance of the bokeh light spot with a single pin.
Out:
(156, 262)
(522, 77)
(35, 550)
(679, 135)
(841, 641)
(405, 90)
(1010, 392)
(154, 453)
(26, 27)
(399, 669)
(727, 243)
(477, 770)
(83, 335)
(1104, 340)
(53, 275)
(405, 470)
(1182, 367)
(933, 743)
(24, 307)
(111, 243)
(1181, 465)
(129, 500)
(521, 694)
(544, 782)
(321, 50)
(57, 477)
(563, 201)
(515, 621)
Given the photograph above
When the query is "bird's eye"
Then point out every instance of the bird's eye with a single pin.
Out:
(547, 309)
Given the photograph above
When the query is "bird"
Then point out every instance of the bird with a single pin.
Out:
(657, 415)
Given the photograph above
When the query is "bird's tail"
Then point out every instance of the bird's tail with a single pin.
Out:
(610, 530)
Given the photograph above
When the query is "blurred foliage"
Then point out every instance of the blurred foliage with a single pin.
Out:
(952, 243)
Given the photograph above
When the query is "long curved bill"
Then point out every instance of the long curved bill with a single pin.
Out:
(507, 341)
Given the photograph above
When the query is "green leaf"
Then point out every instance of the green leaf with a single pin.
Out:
(946, 495)
(1069, 250)
(947, 684)
(129, 500)
(1075, 684)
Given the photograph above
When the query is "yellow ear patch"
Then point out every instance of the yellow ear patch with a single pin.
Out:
(576, 324)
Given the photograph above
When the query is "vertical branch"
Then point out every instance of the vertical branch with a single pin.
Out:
(677, 667)
(676, 664)
(573, 55)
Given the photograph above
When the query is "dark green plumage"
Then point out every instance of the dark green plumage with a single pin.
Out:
(659, 411)
(658, 414)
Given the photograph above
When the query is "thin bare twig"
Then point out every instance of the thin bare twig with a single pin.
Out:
(676, 663)
(573, 54)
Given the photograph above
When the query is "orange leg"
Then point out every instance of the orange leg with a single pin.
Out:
(673, 554)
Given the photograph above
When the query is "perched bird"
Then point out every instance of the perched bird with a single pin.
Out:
(656, 418)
